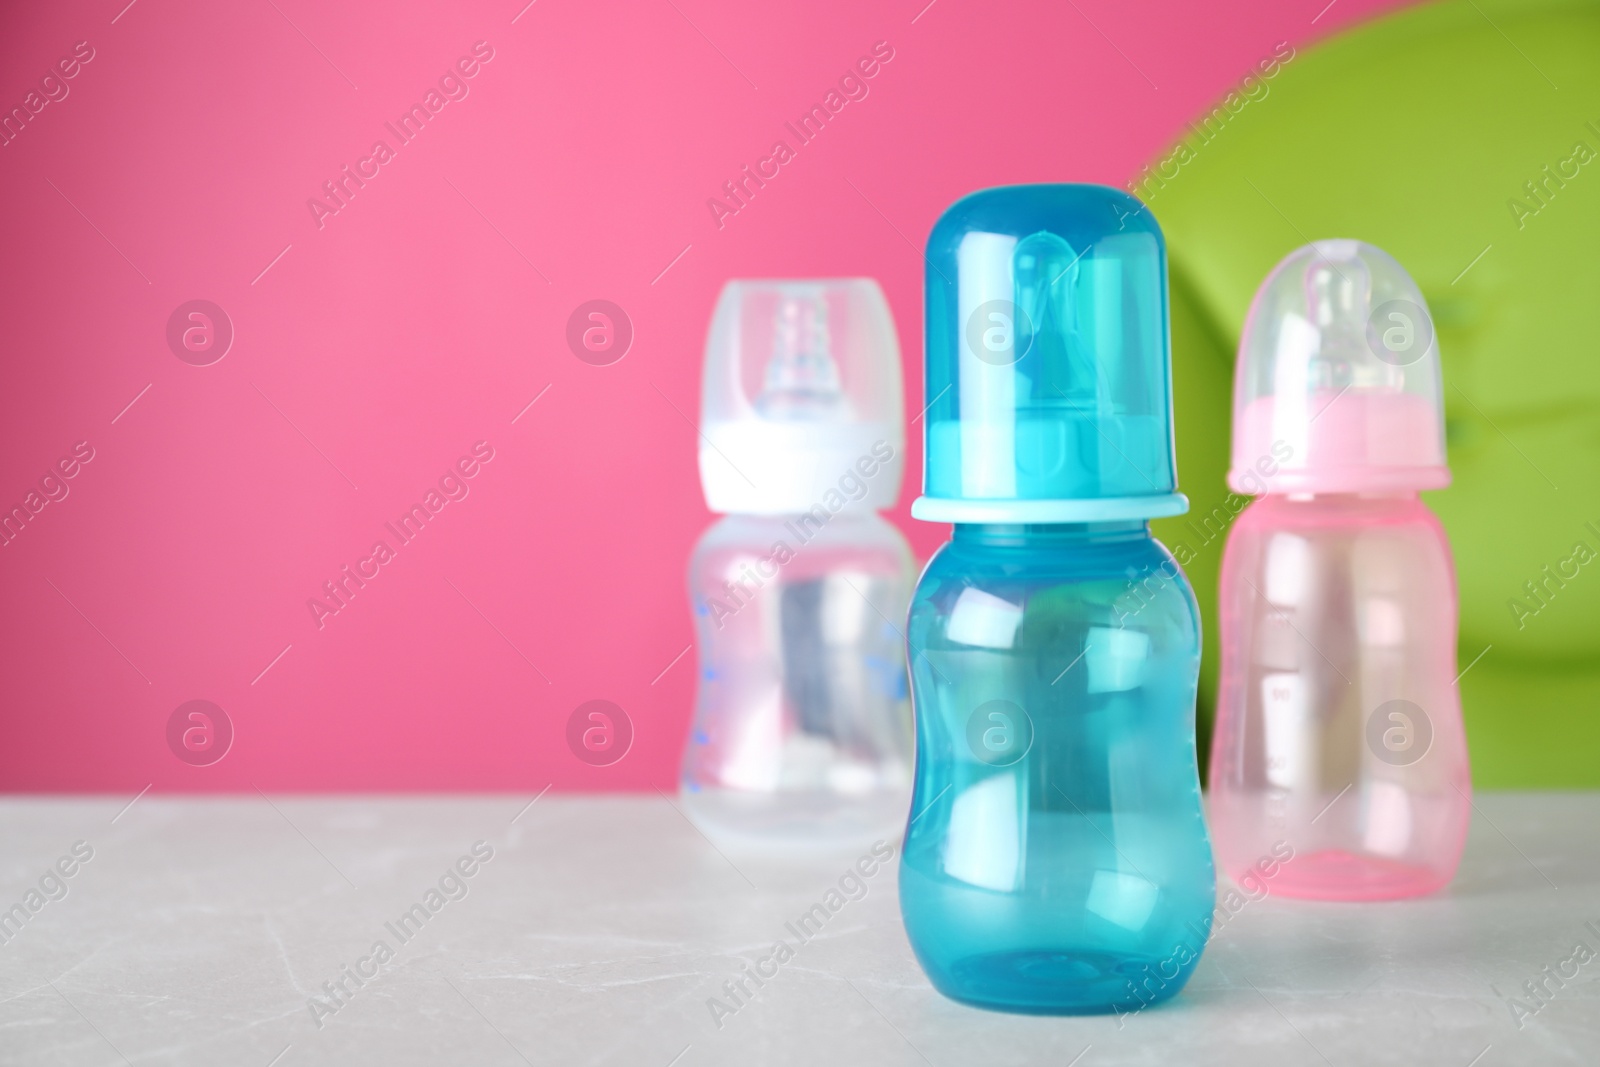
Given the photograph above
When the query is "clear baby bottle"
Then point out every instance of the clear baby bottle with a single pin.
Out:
(1338, 736)
(1056, 858)
(802, 726)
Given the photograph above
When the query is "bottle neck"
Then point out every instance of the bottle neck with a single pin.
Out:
(1065, 534)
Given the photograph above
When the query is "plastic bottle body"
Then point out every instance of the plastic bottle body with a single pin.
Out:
(802, 728)
(1338, 722)
(1056, 860)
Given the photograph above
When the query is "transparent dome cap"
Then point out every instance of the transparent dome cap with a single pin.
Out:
(801, 404)
(1048, 367)
(1338, 386)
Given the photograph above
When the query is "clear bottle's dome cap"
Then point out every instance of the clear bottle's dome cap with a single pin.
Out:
(801, 404)
(1048, 377)
(1338, 386)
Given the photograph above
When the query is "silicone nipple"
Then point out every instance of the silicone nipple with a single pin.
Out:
(1338, 296)
(1046, 274)
(802, 380)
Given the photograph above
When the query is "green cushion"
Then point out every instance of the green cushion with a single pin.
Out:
(1418, 133)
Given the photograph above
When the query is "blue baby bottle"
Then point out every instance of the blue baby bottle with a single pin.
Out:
(1056, 859)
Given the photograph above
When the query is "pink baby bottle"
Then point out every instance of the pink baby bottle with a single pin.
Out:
(1338, 740)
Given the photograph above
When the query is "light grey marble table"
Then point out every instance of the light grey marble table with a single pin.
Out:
(202, 931)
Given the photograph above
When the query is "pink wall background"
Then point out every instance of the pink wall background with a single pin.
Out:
(374, 347)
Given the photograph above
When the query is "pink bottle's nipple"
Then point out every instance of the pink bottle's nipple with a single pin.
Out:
(1338, 297)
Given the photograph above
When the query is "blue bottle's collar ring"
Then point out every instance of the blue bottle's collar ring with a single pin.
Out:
(1108, 509)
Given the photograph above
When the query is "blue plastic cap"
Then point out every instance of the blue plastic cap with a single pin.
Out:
(1049, 369)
